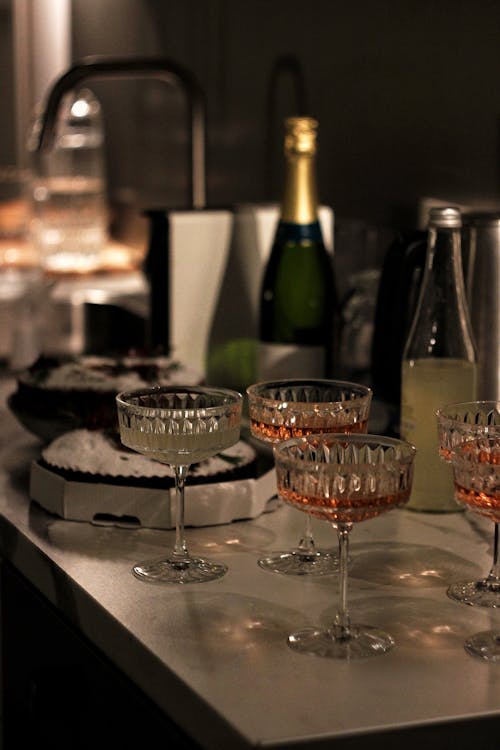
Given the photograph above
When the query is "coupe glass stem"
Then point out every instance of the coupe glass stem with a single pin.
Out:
(494, 574)
(306, 544)
(180, 551)
(342, 623)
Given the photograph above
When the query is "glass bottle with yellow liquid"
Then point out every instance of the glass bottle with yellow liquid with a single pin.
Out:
(439, 360)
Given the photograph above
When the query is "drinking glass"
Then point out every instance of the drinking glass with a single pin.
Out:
(344, 479)
(282, 409)
(476, 473)
(179, 426)
(19, 267)
(457, 425)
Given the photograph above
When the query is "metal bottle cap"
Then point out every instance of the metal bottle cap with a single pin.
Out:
(449, 217)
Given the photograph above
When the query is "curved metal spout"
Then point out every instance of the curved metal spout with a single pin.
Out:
(160, 68)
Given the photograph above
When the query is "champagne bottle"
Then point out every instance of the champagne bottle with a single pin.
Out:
(298, 297)
(439, 360)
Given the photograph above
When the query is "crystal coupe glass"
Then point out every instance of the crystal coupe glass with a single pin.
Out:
(476, 474)
(179, 426)
(344, 479)
(458, 424)
(282, 409)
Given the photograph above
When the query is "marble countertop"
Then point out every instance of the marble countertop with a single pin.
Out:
(214, 657)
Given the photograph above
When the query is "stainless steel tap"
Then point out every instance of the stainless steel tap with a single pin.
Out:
(155, 67)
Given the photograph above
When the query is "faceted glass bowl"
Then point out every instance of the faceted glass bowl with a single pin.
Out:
(179, 425)
(344, 479)
(460, 421)
(283, 409)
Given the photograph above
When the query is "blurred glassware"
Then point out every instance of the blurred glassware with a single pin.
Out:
(18, 258)
(68, 192)
(358, 318)
(359, 246)
(19, 267)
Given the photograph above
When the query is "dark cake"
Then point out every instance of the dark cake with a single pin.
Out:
(98, 456)
(57, 395)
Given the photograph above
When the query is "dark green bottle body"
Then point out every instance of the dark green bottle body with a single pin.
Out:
(298, 306)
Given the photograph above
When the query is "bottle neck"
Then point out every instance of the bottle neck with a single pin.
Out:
(444, 259)
(448, 238)
(441, 325)
(300, 197)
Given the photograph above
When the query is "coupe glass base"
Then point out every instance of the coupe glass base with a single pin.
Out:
(363, 641)
(476, 593)
(485, 645)
(297, 563)
(194, 570)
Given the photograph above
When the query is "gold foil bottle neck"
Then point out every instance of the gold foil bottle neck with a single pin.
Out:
(300, 199)
(300, 135)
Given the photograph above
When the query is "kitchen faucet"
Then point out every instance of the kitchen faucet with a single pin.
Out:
(154, 67)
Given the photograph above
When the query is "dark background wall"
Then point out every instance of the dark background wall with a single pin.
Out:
(7, 129)
(406, 94)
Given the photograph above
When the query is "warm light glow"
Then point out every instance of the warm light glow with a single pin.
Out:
(442, 629)
(80, 108)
